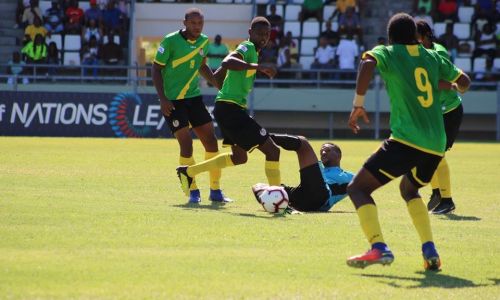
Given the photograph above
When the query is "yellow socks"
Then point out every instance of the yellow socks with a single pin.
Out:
(420, 218)
(188, 161)
(368, 218)
(215, 174)
(441, 179)
(273, 174)
(218, 162)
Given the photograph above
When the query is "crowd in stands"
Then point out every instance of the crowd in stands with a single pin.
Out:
(67, 34)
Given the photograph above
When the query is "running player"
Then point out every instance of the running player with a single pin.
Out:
(417, 144)
(238, 129)
(441, 201)
(322, 183)
(180, 57)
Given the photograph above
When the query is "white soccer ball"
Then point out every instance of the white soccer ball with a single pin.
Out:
(274, 199)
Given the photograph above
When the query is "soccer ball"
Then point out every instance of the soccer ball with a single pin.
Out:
(274, 199)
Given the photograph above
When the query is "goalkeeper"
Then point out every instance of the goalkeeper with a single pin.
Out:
(322, 183)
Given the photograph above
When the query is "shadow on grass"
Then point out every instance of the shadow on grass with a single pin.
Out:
(454, 217)
(331, 212)
(212, 205)
(429, 280)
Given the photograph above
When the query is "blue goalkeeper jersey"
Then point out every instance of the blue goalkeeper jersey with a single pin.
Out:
(337, 180)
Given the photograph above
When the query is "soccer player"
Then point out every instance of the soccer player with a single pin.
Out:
(441, 201)
(180, 57)
(417, 143)
(322, 183)
(238, 129)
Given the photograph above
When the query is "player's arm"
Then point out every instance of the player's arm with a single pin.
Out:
(234, 61)
(365, 74)
(166, 105)
(206, 72)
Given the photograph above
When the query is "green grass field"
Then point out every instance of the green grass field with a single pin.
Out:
(105, 218)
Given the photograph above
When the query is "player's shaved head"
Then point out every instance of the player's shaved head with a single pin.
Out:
(401, 29)
(424, 29)
(335, 147)
(259, 21)
(193, 12)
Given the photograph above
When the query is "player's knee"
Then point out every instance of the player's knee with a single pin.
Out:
(407, 190)
(239, 158)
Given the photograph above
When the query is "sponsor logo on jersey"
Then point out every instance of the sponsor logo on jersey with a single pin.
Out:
(263, 132)
(242, 48)
(175, 123)
(201, 52)
(161, 49)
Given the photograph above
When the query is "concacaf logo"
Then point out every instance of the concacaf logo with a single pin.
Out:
(121, 107)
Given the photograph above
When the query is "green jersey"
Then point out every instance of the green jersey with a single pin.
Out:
(411, 74)
(181, 59)
(449, 99)
(238, 84)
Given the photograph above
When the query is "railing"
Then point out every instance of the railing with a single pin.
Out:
(137, 76)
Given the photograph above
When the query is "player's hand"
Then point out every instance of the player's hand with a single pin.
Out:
(166, 107)
(269, 70)
(356, 112)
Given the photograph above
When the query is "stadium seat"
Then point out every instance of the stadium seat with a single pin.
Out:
(439, 29)
(72, 42)
(84, 5)
(44, 5)
(306, 62)
(328, 11)
(479, 64)
(116, 39)
(468, 53)
(496, 64)
(56, 38)
(310, 29)
(461, 30)
(465, 13)
(335, 26)
(262, 1)
(296, 1)
(292, 26)
(463, 63)
(279, 10)
(71, 59)
(307, 46)
(292, 12)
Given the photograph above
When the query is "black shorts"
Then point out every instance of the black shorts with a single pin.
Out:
(188, 112)
(394, 159)
(311, 194)
(237, 127)
(452, 122)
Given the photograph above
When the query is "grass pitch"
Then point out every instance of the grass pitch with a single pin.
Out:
(105, 218)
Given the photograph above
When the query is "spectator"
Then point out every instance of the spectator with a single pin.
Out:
(34, 29)
(349, 23)
(347, 52)
(484, 9)
(54, 17)
(53, 58)
(331, 36)
(422, 15)
(30, 11)
(342, 6)
(92, 31)
(449, 41)
(287, 59)
(93, 13)
(102, 4)
(35, 51)
(89, 56)
(111, 52)
(16, 69)
(324, 56)
(423, 6)
(19, 13)
(447, 10)
(276, 24)
(75, 19)
(112, 18)
(216, 53)
(311, 8)
(485, 42)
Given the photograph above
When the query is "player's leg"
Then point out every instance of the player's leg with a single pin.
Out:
(409, 186)
(452, 122)
(272, 167)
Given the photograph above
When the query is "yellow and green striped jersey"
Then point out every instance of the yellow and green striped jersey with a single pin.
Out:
(181, 59)
(411, 74)
(449, 98)
(238, 84)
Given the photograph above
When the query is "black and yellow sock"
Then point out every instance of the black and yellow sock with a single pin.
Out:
(215, 174)
(420, 217)
(443, 174)
(188, 161)
(218, 162)
(368, 218)
(272, 169)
